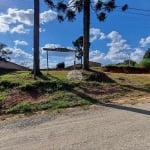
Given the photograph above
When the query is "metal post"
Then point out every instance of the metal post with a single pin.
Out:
(47, 61)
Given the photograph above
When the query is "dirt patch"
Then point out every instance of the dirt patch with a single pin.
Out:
(17, 96)
(103, 90)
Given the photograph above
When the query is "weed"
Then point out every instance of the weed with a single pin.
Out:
(21, 108)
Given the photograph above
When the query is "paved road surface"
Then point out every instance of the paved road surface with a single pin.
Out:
(107, 127)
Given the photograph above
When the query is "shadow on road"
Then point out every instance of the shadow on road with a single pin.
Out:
(111, 105)
(127, 108)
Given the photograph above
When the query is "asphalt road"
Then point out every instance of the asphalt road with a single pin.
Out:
(107, 127)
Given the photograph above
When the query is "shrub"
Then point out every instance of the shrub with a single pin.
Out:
(21, 108)
(60, 65)
(145, 63)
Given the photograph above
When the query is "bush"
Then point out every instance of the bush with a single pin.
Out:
(60, 65)
(145, 63)
(21, 108)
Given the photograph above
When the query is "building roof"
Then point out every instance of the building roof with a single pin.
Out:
(11, 66)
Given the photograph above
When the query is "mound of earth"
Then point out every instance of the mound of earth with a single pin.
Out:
(99, 77)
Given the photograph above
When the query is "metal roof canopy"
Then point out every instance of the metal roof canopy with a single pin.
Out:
(59, 50)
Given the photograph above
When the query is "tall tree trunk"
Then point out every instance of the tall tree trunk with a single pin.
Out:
(86, 30)
(36, 61)
(81, 62)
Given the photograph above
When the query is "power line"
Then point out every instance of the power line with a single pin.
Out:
(146, 15)
(137, 9)
(134, 13)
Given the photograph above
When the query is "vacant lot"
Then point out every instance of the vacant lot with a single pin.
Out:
(106, 118)
(21, 93)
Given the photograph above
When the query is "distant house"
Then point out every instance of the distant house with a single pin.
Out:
(11, 66)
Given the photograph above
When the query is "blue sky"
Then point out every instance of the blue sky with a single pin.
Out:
(123, 34)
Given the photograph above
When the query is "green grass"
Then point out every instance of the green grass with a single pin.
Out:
(130, 78)
(3, 95)
(59, 100)
(63, 93)
(145, 63)
(21, 108)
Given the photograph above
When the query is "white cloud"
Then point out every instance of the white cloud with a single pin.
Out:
(19, 29)
(144, 41)
(22, 17)
(96, 56)
(18, 42)
(17, 16)
(13, 17)
(47, 16)
(4, 27)
(96, 34)
(21, 57)
(69, 61)
(137, 54)
(51, 45)
(118, 49)
(42, 30)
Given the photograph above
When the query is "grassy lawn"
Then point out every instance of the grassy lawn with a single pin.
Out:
(20, 92)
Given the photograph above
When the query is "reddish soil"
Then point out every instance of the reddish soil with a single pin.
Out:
(16, 96)
(102, 91)
(131, 70)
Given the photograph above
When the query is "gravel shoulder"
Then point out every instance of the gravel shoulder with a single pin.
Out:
(102, 127)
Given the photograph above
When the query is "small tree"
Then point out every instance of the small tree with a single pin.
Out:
(78, 44)
(4, 52)
(147, 54)
(145, 63)
(60, 65)
(129, 62)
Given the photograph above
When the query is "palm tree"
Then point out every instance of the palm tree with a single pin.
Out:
(36, 59)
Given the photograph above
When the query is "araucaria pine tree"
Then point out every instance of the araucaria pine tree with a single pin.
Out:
(68, 9)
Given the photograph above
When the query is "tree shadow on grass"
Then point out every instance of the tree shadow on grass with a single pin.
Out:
(85, 96)
(44, 77)
(6, 71)
(98, 76)
(109, 105)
